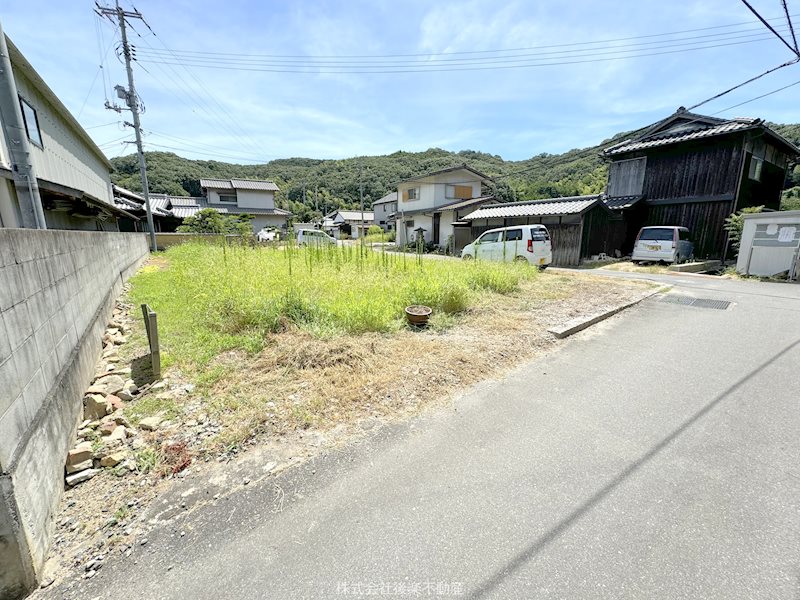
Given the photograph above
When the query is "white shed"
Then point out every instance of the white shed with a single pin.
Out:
(770, 244)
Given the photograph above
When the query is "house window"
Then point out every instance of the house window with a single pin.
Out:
(227, 198)
(755, 168)
(31, 122)
(410, 194)
(460, 192)
(410, 223)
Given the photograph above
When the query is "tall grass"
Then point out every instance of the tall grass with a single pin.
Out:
(213, 298)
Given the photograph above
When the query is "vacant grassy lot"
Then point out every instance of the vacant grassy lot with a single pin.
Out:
(281, 340)
(212, 298)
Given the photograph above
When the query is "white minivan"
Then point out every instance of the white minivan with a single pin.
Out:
(663, 244)
(314, 237)
(522, 243)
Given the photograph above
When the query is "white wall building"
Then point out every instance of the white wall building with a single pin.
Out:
(383, 209)
(429, 205)
(770, 244)
(352, 222)
(246, 196)
(72, 173)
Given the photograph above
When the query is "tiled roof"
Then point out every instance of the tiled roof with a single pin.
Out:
(621, 202)
(536, 208)
(239, 184)
(126, 204)
(390, 197)
(463, 203)
(252, 184)
(217, 184)
(355, 215)
(185, 206)
(683, 135)
(463, 167)
(683, 126)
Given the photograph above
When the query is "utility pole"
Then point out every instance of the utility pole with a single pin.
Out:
(22, 171)
(361, 196)
(132, 101)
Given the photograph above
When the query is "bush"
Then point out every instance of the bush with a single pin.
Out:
(735, 224)
(374, 230)
(209, 220)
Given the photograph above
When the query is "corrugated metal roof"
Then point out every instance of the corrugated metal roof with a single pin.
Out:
(252, 184)
(684, 135)
(621, 202)
(535, 208)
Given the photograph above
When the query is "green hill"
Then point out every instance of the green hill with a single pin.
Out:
(331, 184)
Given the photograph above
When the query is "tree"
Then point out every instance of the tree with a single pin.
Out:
(735, 224)
(209, 220)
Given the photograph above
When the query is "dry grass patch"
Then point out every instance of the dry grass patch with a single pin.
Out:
(627, 266)
(299, 381)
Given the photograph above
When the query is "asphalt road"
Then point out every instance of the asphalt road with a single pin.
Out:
(656, 455)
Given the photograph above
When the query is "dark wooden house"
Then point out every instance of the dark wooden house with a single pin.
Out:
(694, 171)
(579, 226)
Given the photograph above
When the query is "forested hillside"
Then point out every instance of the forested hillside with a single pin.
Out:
(331, 184)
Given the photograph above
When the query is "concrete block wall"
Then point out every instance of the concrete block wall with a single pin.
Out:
(56, 293)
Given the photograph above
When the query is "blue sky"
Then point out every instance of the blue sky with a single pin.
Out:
(257, 115)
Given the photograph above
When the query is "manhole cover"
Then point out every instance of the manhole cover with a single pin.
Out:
(696, 302)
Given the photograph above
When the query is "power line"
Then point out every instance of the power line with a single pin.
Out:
(752, 79)
(508, 58)
(522, 64)
(254, 160)
(780, 89)
(103, 125)
(242, 135)
(470, 52)
(789, 22)
(771, 28)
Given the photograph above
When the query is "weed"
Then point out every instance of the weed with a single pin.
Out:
(147, 460)
(149, 406)
(213, 299)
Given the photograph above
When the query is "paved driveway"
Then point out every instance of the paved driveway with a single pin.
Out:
(656, 455)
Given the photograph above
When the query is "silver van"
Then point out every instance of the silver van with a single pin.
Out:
(523, 243)
(663, 244)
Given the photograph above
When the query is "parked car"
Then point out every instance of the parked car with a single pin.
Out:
(522, 243)
(267, 235)
(315, 237)
(663, 244)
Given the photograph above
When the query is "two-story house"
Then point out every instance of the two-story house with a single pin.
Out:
(428, 206)
(693, 171)
(246, 196)
(383, 208)
(50, 168)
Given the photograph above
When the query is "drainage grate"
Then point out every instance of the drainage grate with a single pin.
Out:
(685, 300)
(708, 303)
(697, 302)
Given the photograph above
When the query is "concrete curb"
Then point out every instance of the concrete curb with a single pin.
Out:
(581, 323)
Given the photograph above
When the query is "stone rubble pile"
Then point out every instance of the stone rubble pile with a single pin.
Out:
(105, 437)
